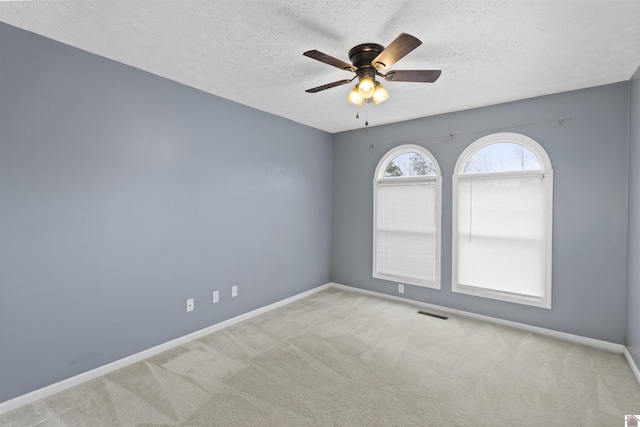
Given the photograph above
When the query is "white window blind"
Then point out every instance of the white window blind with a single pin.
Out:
(501, 234)
(406, 230)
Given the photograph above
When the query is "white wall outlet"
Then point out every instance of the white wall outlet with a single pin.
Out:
(234, 291)
(190, 304)
(401, 288)
(216, 296)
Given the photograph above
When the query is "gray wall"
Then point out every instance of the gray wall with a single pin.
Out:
(589, 157)
(633, 291)
(122, 194)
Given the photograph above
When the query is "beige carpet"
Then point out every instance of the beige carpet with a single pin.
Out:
(343, 359)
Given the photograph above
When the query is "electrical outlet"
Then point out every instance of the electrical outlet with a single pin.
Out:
(190, 304)
(234, 291)
(401, 288)
(216, 296)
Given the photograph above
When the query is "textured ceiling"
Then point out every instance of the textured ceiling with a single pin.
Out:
(250, 51)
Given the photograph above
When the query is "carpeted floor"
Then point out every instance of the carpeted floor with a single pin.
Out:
(342, 359)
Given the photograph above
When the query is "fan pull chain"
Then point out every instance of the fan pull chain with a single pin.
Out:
(366, 113)
(366, 121)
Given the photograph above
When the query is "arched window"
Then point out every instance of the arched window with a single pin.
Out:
(406, 217)
(502, 215)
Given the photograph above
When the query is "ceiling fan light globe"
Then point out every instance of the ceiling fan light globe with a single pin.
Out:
(366, 87)
(354, 97)
(380, 94)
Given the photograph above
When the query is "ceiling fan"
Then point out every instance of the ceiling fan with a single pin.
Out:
(369, 60)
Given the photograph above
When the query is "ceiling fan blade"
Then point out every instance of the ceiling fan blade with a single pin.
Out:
(420, 76)
(329, 85)
(402, 45)
(323, 57)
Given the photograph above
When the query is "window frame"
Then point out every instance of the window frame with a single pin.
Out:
(547, 172)
(437, 179)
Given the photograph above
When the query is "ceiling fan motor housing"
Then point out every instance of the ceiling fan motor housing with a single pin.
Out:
(361, 57)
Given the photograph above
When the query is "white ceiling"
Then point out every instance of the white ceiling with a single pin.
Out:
(250, 51)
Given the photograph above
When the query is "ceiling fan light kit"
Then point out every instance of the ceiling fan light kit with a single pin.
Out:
(370, 60)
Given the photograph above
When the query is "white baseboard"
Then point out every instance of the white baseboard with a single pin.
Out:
(41, 393)
(577, 339)
(632, 364)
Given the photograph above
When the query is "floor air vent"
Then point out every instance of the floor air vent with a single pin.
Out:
(439, 316)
